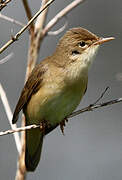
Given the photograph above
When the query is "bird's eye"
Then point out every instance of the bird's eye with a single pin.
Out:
(75, 52)
(82, 44)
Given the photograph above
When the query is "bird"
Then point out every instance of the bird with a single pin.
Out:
(55, 88)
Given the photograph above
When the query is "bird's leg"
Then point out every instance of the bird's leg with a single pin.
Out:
(44, 125)
(63, 124)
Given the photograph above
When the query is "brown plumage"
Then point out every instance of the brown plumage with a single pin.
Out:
(70, 39)
(55, 87)
(32, 85)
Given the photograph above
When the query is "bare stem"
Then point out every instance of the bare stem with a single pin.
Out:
(5, 59)
(3, 4)
(21, 169)
(95, 106)
(11, 20)
(35, 40)
(101, 96)
(19, 129)
(62, 13)
(14, 38)
(27, 9)
(28, 13)
(32, 57)
(9, 115)
(41, 18)
(58, 31)
(86, 109)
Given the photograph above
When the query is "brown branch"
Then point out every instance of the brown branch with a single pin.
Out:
(35, 40)
(3, 3)
(27, 9)
(62, 13)
(95, 106)
(86, 109)
(28, 13)
(101, 96)
(15, 38)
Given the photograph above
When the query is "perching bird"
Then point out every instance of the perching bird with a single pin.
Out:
(55, 88)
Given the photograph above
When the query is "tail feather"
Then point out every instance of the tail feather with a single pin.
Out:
(34, 141)
(15, 118)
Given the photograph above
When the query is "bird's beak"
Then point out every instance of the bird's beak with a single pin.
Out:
(102, 40)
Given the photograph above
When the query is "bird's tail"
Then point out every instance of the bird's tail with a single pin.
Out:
(34, 141)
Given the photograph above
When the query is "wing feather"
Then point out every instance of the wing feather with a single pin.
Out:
(32, 85)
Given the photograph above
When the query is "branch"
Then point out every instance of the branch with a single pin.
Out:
(9, 115)
(41, 19)
(11, 20)
(86, 109)
(62, 13)
(19, 129)
(27, 9)
(3, 3)
(35, 41)
(5, 59)
(28, 13)
(15, 38)
(95, 106)
(54, 33)
(21, 169)
(101, 96)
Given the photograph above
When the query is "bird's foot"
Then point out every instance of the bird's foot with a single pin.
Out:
(63, 124)
(44, 125)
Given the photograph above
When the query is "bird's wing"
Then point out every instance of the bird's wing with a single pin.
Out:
(34, 82)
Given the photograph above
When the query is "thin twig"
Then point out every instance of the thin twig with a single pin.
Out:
(101, 96)
(9, 115)
(5, 59)
(24, 28)
(92, 107)
(11, 20)
(62, 13)
(3, 4)
(27, 9)
(40, 22)
(86, 109)
(19, 129)
(28, 13)
(60, 30)
(36, 40)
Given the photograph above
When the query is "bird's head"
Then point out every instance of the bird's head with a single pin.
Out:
(78, 45)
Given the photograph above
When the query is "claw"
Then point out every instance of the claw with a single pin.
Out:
(63, 124)
(44, 125)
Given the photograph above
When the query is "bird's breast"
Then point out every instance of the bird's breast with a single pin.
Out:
(55, 103)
